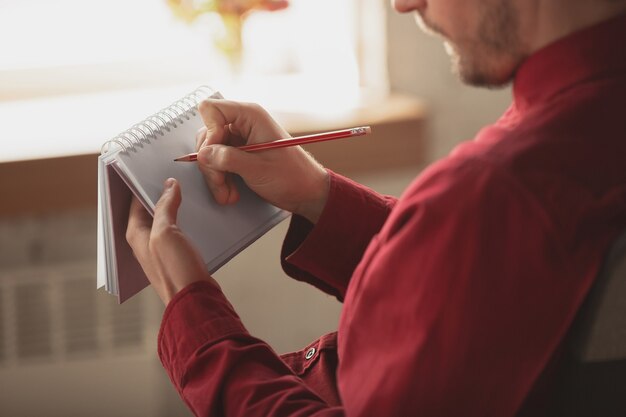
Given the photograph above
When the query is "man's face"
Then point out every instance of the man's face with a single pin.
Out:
(481, 36)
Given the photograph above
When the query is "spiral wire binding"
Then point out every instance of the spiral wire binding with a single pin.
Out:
(163, 121)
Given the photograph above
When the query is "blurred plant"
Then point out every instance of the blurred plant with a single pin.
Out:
(232, 13)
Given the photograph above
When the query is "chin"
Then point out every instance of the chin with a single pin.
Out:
(489, 72)
(485, 79)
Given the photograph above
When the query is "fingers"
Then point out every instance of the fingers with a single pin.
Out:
(138, 229)
(216, 160)
(221, 118)
(232, 123)
(249, 120)
(231, 137)
(200, 136)
(221, 185)
(233, 193)
(217, 115)
(228, 159)
(168, 258)
(166, 208)
(216, 181)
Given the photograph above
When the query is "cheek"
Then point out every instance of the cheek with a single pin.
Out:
(457, 15)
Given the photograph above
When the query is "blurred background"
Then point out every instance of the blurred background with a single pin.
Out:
(74, 73)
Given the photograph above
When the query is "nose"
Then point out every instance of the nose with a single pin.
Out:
(405, 6)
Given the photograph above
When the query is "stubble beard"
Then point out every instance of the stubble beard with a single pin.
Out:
(491, 56)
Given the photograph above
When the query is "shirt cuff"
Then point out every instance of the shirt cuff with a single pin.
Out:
(326, 254)
(198, 316)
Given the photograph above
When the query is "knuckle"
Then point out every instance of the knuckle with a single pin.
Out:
(131, 236)
(256, 108)
(205, 106)
(225, 158)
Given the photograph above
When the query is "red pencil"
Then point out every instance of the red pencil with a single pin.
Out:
(300, 140)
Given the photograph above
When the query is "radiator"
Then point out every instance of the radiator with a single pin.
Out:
(66, 349)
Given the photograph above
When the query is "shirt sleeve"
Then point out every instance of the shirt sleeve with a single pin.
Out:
(327, 253)
(218, 368)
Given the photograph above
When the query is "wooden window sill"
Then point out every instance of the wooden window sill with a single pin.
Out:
(56, 184)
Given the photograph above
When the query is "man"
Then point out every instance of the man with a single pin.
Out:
(458, 296)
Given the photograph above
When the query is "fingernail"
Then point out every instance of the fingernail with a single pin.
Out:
(204, 154)
(169, 183)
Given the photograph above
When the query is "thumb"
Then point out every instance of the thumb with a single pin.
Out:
(227, 159)
(166, 209)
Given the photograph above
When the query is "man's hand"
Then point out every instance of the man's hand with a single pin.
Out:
(167, 257)
(289, 178)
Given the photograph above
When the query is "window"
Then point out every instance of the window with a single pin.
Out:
(66, 63)
(303, 54)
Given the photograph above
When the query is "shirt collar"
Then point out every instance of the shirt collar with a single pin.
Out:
(590, 53)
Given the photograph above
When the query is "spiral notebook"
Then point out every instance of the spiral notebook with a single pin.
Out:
(137, 162)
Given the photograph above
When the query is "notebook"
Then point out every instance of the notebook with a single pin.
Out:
(137, 162)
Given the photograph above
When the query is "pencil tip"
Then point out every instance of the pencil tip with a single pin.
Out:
(187, 158)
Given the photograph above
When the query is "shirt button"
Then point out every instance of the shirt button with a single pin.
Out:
(310, 353)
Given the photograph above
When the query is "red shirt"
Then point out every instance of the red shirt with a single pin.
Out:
(457, 295)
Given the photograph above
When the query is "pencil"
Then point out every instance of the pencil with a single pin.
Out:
(300, 140)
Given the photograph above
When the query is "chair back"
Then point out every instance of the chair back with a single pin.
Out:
(600, 334)
(591, 377)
